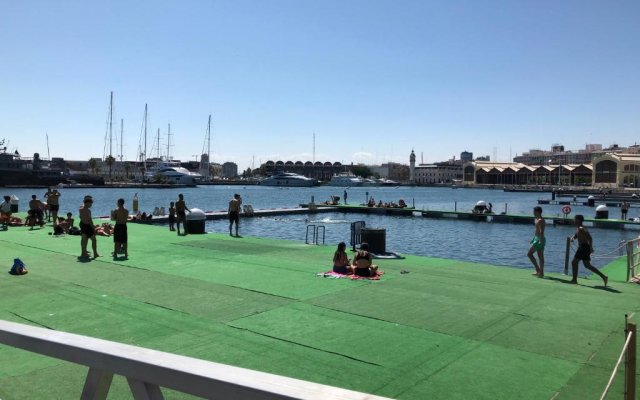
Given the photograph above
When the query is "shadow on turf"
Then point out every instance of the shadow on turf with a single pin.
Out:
(568, 281)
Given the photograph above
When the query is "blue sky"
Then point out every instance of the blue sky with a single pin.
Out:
(372, 79)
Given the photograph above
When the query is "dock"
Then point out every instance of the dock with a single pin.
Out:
(529, 219)
(431, 328)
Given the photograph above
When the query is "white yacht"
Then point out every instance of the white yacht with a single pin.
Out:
(174, 173)
(346, 179)
(287, 179)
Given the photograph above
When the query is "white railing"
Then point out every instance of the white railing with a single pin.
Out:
(148, 370)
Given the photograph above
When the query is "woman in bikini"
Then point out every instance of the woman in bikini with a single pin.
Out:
(362, 262)
(341, 262)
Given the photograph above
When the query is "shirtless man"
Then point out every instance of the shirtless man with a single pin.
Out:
(585, 248)
(181, 215)
(120, 215)
(537, 243)
(53, 202)
(35, 211)
(234, 213)
(87, 228)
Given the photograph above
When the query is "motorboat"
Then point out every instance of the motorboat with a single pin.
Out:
(173, 173)
(346, 179)
(287, 179)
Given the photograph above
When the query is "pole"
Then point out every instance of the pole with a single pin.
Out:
(121, 131)
(144, 159)
(566, 255)
(630, 364)
(629, 259)
(111, 126)
(455, 206)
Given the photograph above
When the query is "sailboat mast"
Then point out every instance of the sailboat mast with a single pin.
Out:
(48, 153)
(121, 131)
(169, 143)
(208, 145)
(111, 125)
(144, 157)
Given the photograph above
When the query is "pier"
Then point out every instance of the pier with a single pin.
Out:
(430, 328)
(529, 219)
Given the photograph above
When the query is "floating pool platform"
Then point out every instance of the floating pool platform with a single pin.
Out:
(430, 328)
(529, 219)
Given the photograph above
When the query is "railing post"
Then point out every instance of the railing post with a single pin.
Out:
(566, 255)
(629, 259)
(630, 364)
(97, 384)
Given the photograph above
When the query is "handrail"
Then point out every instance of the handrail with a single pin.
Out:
(147, 370)
(615, 369)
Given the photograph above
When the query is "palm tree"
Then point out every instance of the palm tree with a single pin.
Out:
(110, 160)
(127, 169)
(93, 164)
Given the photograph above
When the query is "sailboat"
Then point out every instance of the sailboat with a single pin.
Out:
(171, 171)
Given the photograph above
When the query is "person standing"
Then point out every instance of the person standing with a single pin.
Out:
(35, 212)
(344, 195)
(234, 213)
(53, 203)
(585, 248)
(5, 211)
(87, 229)
(172, 216)
(120, 239)
(181, 213)
(47, 213)
(537, 243)
(624, 208)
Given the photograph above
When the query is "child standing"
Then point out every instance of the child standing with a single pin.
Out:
(172, 216)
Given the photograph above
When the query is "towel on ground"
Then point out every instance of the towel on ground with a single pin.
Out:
(335, 275)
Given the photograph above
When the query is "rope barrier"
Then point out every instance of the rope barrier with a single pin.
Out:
(615, 369)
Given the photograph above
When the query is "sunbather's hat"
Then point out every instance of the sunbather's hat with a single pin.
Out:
(88, 199)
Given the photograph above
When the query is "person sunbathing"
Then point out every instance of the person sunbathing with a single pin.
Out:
(362, 263)
(104, 230)
(341, 262)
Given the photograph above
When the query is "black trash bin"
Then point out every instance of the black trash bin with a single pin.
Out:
(602, 212)
(195, 221)
(591, 201)
(14, 203)
(376, 238)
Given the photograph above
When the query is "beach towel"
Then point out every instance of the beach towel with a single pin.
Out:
(335, 275)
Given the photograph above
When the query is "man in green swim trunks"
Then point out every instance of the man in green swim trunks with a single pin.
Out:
(537, 243)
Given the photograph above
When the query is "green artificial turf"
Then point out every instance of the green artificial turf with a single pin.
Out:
(447, 329)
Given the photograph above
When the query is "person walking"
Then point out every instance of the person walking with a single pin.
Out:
(235, 205)
(344, 195)
(585, 248)
(537, 243)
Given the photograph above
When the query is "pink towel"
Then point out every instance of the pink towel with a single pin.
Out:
(331, 274)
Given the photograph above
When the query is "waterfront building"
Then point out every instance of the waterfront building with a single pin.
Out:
(318, 170)
(229, 170)
(441, 172)
(512, 173)
(466, 156)
(616, 170)
(558, 155)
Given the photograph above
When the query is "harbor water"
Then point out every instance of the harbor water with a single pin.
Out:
(499, 244)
